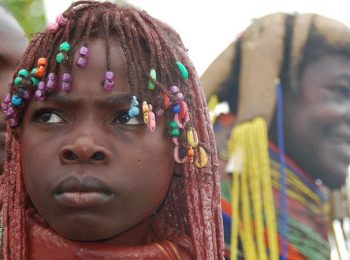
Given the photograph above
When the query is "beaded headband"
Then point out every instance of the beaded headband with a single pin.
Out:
(41, 83)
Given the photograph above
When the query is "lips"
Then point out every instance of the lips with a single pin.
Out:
(82, 193)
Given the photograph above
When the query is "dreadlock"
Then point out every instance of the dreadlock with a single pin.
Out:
(146, 43)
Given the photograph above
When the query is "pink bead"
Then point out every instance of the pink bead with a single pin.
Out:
(4, 107)
(82, 62)
(52, 76)
(61, 19)
(84, 52)
(53, 27)
(180, 96)
(50, 85)
(10, 111)
(27, 95)
(67, 77)
(39, 95)
(7, 99)
(66, 86)
(109, 75)
(108, 85)
(41, 85)
(174, 89)
(13, 122)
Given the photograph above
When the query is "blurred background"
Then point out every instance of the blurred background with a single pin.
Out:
(206, 26)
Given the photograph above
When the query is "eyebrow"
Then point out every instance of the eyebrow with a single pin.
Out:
(113, 99)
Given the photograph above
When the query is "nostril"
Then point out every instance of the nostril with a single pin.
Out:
(70, 156)
(98, 156)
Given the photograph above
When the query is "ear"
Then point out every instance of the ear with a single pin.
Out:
(178, 169)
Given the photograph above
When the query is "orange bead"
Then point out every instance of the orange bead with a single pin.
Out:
(42, 62)
(190, 154)
(166, 100)
(40, 72)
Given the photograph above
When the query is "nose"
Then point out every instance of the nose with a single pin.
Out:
(84, 150)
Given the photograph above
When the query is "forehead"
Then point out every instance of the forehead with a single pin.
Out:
(88, 82)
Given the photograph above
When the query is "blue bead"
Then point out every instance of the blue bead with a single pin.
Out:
(134, 112)
(175, 108)
(16, 100)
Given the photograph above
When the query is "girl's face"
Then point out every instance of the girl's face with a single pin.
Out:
(91, 172)
(317, 121)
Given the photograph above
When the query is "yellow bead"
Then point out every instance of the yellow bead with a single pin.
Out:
(201, 158)
(192, 137)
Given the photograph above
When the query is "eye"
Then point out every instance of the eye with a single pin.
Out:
(47, 116)
(123, 118)
(342, 91)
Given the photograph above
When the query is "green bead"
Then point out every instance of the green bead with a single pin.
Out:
(174, 132)
(151, 85)
(65, 47)
(60, 57)
(173, 124)
(18, 81)
(182, 69)
(34, 81)
(153, 75)
(33, 72)
(24, 73)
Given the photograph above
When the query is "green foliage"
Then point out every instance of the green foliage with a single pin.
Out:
(29, 13)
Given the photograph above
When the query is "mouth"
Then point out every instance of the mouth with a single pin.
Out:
(82, 193)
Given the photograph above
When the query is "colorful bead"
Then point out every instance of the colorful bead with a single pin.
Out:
(10, 112)
(51, 82)
(175, 108)
(40, 71)
(134, 112)
(42, 62)
(16, 100)
(34, 81)
(82, 62)
(7, 99)
(201, 158)
(13, 122)
(20, 92)
(83, 55)
(173, 124)
(190, 154)
(192, 137)
(166, 100)
(18, 81)
(53, 27)
(153, 75)
(176, 155)
(60, 57)
(41, 85)
(61, 20)
(65, 46)
(23, 73)
(66, 82)
(27, 95)
(108, 83)
(39, 95)
(174, 132)
(151, 124)
(145, 110)
(84, 52)
(182, 69)
(174, 89)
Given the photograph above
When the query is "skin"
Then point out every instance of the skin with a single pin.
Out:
(317, 120)
(82, 137)
(12, 46)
